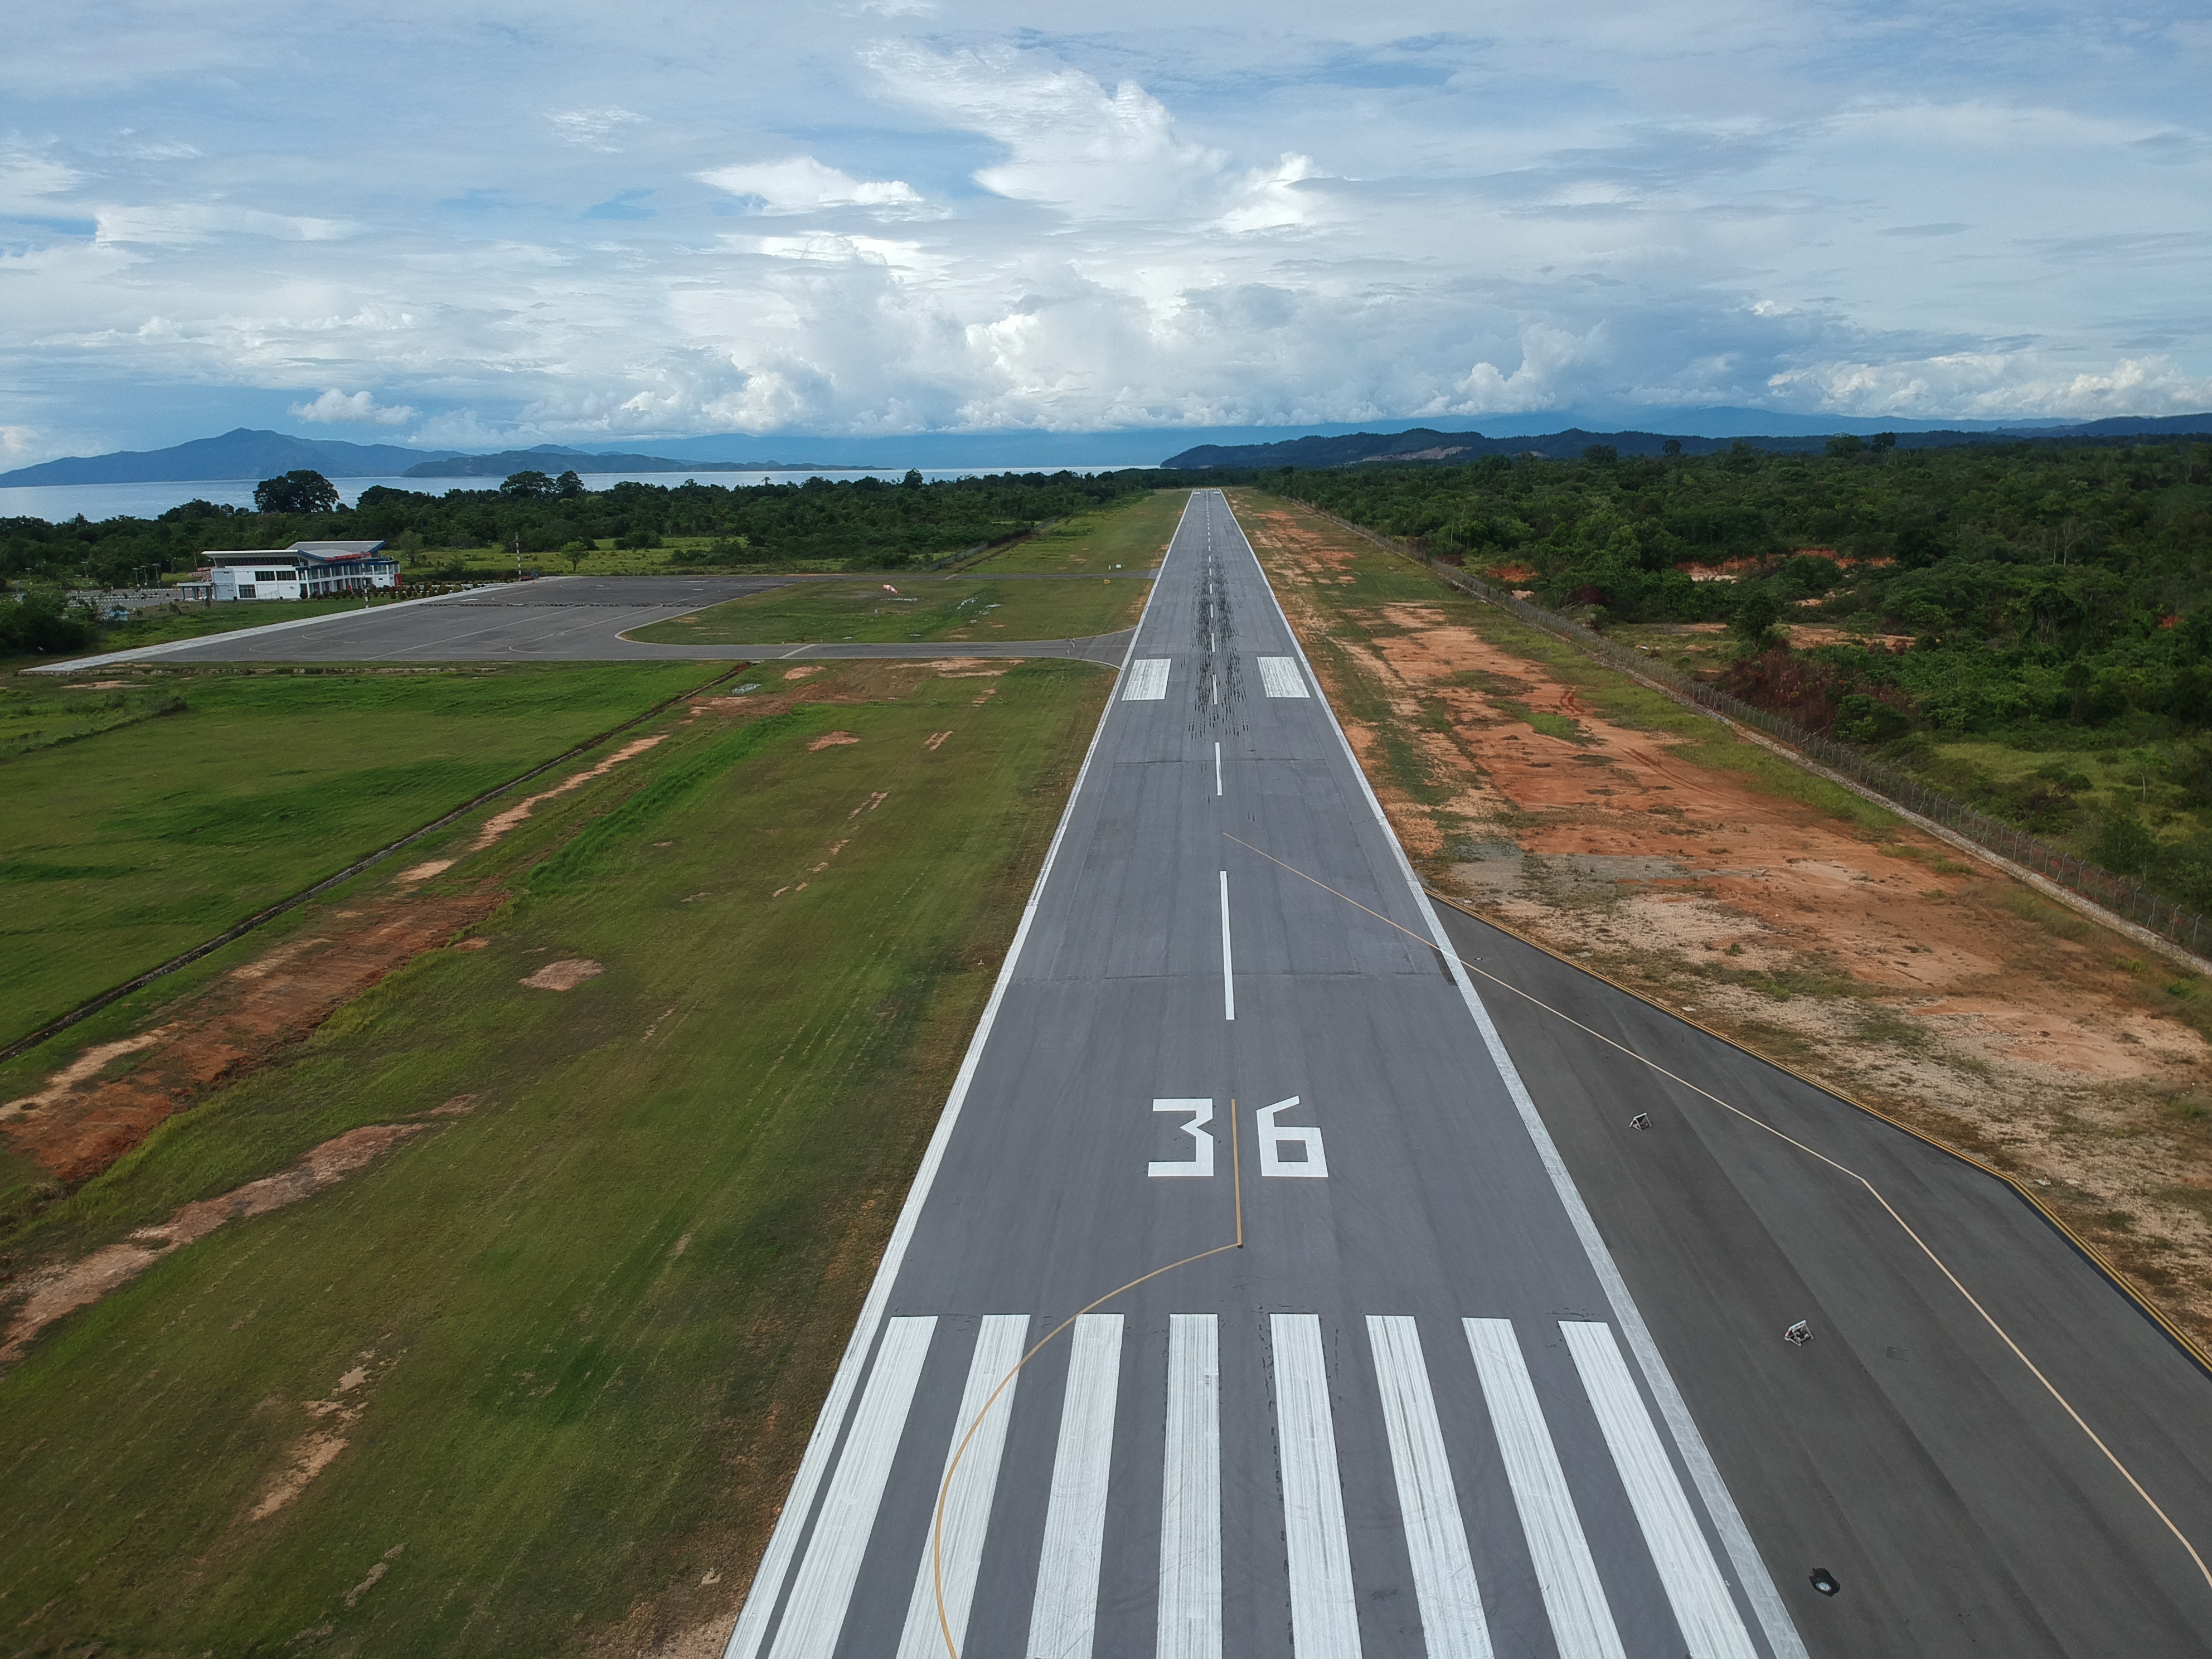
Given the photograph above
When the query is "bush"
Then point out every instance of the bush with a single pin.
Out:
(2125, 846)
(40, 621)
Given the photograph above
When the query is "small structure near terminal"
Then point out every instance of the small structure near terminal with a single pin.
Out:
(305, 570)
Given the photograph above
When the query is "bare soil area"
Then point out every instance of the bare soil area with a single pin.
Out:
(1871, 958)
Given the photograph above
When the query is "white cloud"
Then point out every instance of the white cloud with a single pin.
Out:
(29, 180)
(2000, 385)
(336, 407)
(800, 184)
(592, 128)
(1541, 380)
(1279, 213)
(1070, 142)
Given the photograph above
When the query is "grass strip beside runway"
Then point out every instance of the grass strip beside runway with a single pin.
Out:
(134, 844)
(534, 1380)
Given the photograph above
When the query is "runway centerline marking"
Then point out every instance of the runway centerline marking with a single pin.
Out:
(1217, 769)
(1228, 978)
(1926, 1249)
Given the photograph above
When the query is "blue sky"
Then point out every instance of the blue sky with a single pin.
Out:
(470, 225)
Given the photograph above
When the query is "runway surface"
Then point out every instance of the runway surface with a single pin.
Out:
(566, 619)
(1415, 1412)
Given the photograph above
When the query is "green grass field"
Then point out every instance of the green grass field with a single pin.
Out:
(574, 1339)
(130, 846)
(924, 608)
(1134, 537)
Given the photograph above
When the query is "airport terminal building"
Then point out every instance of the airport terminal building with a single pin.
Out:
(305, 570)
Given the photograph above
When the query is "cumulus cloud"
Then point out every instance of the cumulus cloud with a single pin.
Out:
(800, 184)
(336, 408)
(1069, 141)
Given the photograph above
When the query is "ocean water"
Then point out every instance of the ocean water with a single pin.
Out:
(61, 502)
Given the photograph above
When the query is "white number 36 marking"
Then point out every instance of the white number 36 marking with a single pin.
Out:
(1311, 1161)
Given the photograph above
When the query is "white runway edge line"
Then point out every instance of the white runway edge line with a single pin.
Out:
(1752, 1579)
(998, 1348)
(1703, 1607)
(1063, 1616)
(1452, 1625)
(1279, 677)
(1148, 679)
(823, 1588)
(1566, 1577)
(820, 1446)
(1324, 1606)
(1190, 1493)
(1228, 974)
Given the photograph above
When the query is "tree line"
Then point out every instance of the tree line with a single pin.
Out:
(864, 523)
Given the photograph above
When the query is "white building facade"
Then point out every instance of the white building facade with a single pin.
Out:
(305, 570)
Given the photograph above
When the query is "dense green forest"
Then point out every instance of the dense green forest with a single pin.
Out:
(2029, 625)
(863, 523)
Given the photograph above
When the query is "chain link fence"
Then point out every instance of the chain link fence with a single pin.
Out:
(2136, 902)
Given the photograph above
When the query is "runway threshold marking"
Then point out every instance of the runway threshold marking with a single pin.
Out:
(819, 1596)
(1190, 1494)
(1324, 1608)
(1006, 1383)
(1063, 1607)
(1444, 1587)
(1566, 1576)
(1687, 1571)
(1926, 1249)
(968, 1509)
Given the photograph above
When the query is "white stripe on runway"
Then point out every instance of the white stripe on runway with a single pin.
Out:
(1695, 1589)
(1065, 1609)
(822, 1590)
(1148, 680)
(1227, 978)
(1452, 1625)
(1190, 1495)
(1279, 677)
(1324, 1612)
(1582, 1619)
(959, 1552)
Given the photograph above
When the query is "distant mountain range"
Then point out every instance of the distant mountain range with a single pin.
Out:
(246, 454)
(1427, 444)
(556, 457)
(239, 454)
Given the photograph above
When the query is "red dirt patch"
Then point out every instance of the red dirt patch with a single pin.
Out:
(80, 1122)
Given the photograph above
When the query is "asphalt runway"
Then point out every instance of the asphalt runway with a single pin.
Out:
(1414, 1411)
(567, 619)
